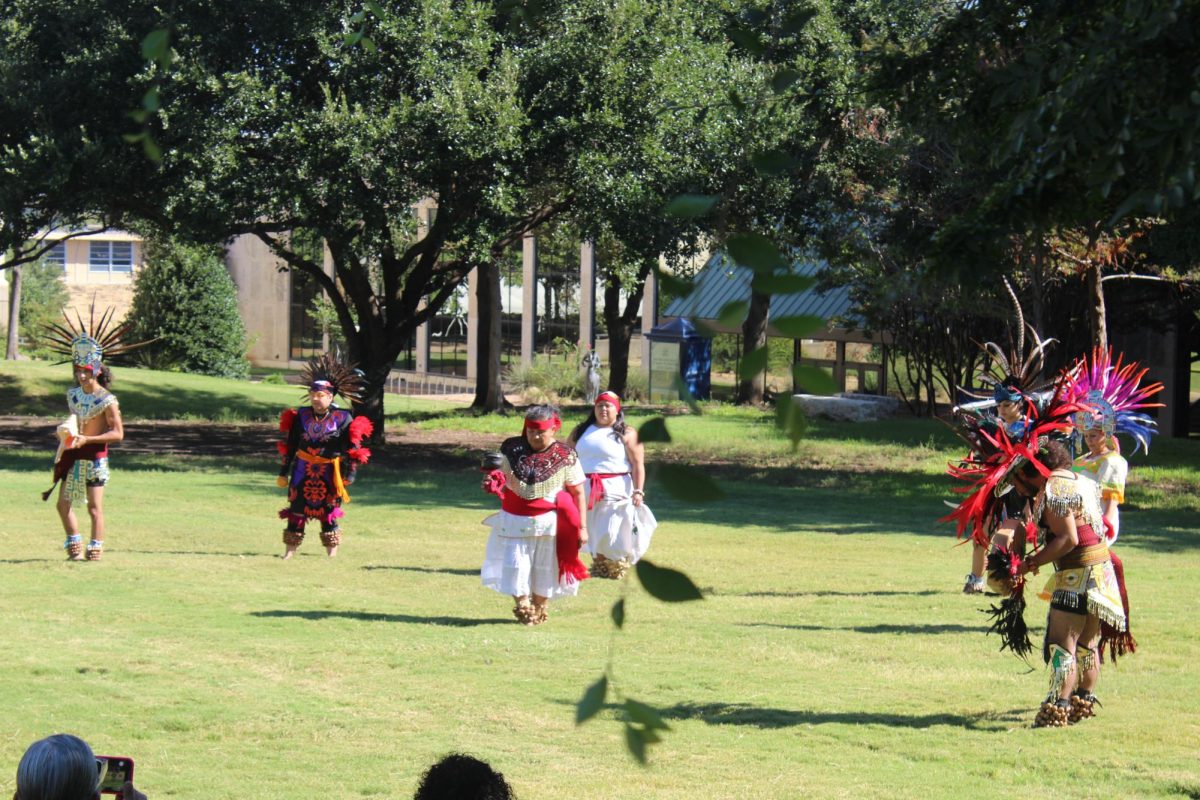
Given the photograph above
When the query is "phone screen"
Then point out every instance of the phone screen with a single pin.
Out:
(120, 769)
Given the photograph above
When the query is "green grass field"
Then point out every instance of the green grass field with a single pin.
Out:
(832, 657)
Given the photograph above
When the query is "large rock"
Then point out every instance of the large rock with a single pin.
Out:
(848, 407)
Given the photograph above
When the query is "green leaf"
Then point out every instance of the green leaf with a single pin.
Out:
(782, 284)
(654, 430)
(150, 100)
(790, 420)
(635, 743)
(753, 363)
(375, 8)
(592, 701)
(795, 22)
(733, 314)
(358, 17)
(154, 46)
(799, 326)
(139, 116)
(646, 715)
(133, 137)
(685, 394)
(368, 44)
(773, 162)
(351, 39)
(680, 287)
(755, 251)
(689, 206)
(151, 149)
(813, 380)
(783, 80)
(745, 39)
(618, 613)
(668, 585)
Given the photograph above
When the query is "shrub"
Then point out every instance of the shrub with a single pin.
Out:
(184, 298)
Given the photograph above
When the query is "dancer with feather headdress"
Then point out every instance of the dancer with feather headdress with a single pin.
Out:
(1017, 394)
(94, 422)
(321, 452)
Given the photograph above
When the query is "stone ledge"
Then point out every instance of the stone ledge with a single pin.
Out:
(848, 407)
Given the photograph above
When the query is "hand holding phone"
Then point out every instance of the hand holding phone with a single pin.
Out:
(115, 772)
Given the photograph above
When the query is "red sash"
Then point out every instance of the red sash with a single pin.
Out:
(596, 485)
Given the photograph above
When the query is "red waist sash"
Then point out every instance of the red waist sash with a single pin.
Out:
(89, 452)
(596, 485)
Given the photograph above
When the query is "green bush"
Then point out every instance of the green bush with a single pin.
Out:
(43, 296)
(184, 298)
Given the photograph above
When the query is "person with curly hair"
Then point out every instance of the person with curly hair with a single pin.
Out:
(462, 777)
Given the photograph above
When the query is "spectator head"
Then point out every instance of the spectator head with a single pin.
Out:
(461, 777)
(59, 767)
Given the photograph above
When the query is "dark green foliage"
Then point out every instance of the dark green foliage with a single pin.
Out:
(43, 296)
(184, 298)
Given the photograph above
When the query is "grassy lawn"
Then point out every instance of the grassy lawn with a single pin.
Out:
(832, 657)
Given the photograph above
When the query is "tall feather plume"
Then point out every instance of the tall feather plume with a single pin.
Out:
(345, 379)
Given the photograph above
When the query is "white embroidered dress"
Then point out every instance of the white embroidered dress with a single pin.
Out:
(617, 529)
(520, 559)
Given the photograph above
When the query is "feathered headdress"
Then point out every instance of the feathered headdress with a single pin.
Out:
(987, 475)
(1112, 396)
(87, 344)
(329, 373)
(1017, 370)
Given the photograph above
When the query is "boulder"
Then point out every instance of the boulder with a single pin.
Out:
(848, 407)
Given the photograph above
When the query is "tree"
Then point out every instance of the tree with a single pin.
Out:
(185, 301)
(42, 296)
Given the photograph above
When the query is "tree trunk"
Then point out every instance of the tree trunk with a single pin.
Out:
(489, 393)
(14, 313)
(752, 389)
(618, 324)
(1097, 314)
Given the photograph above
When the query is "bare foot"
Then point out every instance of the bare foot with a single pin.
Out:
(288, 554)
(332, 551)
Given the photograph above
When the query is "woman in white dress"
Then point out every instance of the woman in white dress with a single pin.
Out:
(533, 550)
(618, 519)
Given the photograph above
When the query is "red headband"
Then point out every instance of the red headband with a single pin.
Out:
(552, 424)
(609, 397)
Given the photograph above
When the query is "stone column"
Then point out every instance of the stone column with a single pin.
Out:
(649, 315)
(472, 324)
(529, 258)
(587, 294)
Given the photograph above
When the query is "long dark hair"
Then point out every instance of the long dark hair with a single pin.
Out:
(618, 426)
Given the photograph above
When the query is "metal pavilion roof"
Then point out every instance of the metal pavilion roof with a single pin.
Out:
(721, 282)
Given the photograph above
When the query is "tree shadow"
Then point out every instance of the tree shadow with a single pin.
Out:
(426, 570)
(834, 593)
(365, 616)
(773, 718)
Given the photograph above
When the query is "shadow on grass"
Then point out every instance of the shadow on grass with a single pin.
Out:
(931, 630)
(206, 553)
(365, 616)
(770, 718)
(427, 570)
(832, 593)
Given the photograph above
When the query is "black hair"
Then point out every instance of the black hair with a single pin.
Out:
(104, 376)
(618, 426)
(1052, 454)
(461, 777)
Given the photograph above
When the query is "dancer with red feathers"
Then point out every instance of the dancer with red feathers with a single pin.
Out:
(322, 452)
(1068, 528)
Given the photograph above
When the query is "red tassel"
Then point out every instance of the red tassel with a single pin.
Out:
(282, 447)
(360, 455)
(286, 419)
(495, 482)
(360, 428)
(284, 513)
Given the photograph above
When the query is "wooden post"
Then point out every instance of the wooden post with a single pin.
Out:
(649, 316)
(472, 324)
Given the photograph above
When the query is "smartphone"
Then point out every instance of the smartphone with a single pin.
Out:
(115, 770)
